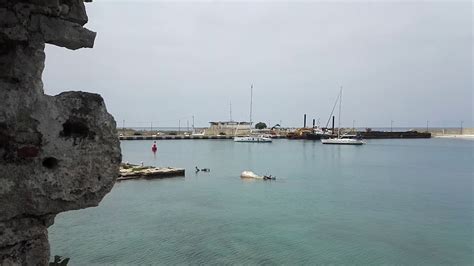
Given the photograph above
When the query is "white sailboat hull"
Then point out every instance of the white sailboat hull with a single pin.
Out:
(340, 141)
(252, 139)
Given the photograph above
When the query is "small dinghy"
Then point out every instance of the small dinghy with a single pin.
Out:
(202, 170)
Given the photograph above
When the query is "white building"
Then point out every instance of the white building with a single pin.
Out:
(229, 128)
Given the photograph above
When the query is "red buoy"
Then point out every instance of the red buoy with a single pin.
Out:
(154, 148)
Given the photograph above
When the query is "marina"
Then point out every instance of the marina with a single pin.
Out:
(364, 134)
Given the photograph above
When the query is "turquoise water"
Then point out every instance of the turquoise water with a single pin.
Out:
(387, 202)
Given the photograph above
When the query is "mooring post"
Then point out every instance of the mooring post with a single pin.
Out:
(333, 117)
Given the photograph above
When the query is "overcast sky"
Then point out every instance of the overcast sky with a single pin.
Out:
(163, 61)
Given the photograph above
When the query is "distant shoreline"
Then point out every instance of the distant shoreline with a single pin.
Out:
(455, 136)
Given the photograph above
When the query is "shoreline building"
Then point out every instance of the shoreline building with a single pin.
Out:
(229, 128)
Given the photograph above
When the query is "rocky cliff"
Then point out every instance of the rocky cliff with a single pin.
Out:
(56, 153)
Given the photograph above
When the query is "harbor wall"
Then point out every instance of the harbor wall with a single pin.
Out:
(449, 131)
(171, 137)
(394, 135)
(414, 134)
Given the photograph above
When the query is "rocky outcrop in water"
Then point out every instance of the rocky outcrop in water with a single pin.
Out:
(57, 153)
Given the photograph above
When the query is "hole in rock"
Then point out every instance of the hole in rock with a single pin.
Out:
(50, 162)
(75, 128)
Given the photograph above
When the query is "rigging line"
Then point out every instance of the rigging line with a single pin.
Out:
(334, 107)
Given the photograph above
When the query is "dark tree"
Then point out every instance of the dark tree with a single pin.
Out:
(260, 125)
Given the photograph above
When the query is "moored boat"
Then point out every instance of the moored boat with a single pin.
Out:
(343, 140)
(318, 134)
(259, 138)
(198, 134)
(251, 137)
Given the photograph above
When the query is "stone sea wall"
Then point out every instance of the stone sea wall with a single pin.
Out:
(57, 153)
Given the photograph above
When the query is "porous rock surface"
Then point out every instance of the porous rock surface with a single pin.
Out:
(57, 153)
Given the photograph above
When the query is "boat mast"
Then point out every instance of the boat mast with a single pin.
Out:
(332, 112)
(339, 124)
(251, 95)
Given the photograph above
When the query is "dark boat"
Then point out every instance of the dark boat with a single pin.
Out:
(317, 134)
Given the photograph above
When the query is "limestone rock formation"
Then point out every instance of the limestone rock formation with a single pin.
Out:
(57, 153)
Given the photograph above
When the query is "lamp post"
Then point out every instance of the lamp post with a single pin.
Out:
(391, 125)
(461, 126)
(427, 125)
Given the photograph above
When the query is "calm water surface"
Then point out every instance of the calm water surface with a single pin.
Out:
(387, 202)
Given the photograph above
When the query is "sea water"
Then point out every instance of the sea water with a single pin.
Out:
(387, 202)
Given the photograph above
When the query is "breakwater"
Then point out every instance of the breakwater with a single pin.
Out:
(164, 137)
(363, 134)
(394, 135)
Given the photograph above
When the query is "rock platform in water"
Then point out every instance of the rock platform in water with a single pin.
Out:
(131, 171)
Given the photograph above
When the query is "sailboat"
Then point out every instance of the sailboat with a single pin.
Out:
(342, 140)
(250, 137)
(194, 133)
